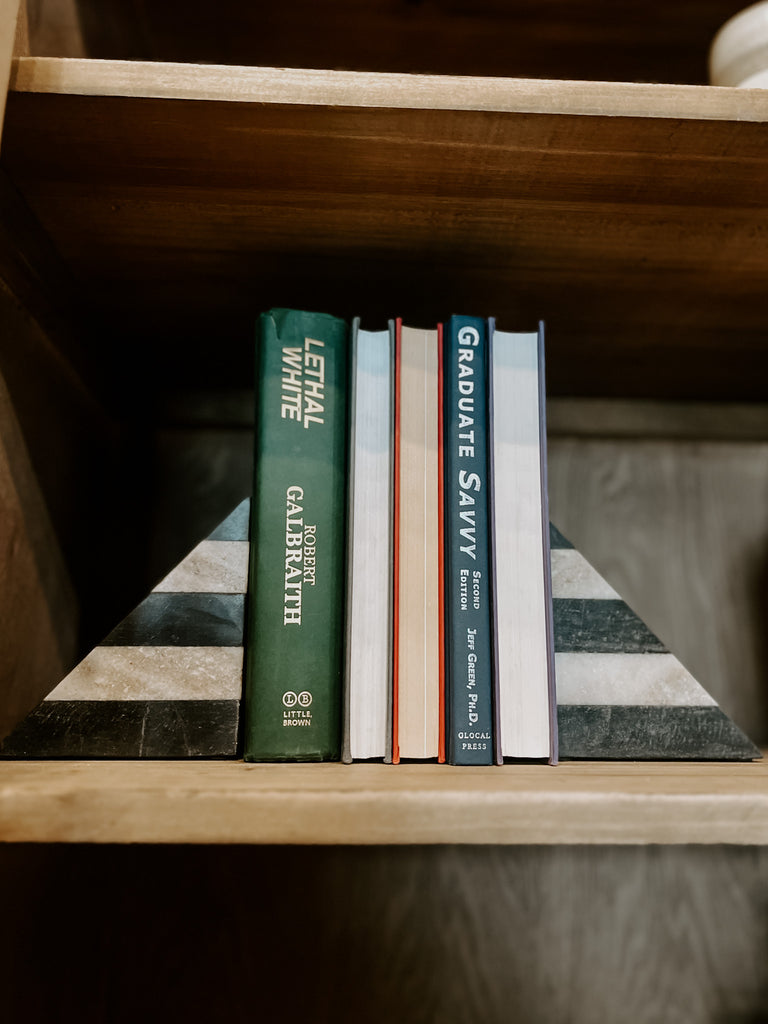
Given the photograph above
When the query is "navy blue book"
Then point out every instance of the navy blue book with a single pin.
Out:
(468, 650)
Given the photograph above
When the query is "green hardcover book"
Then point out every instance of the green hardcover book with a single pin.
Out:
(294, 661)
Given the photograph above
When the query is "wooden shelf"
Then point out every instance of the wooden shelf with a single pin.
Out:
(148, 210)
(628, 216)
(219, 802)
(237, 84)
(171, 202)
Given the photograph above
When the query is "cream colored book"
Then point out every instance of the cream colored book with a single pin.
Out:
(417, 545)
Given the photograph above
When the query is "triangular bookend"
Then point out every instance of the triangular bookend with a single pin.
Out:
(167, 682)
(620, 693)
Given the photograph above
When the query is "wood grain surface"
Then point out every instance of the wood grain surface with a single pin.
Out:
(220, 802)
(38, 609)
(636, 237)
(80, 448)
(422, 934)
(272, 83)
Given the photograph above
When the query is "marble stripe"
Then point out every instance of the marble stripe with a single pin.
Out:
(127, 729)
(573, 576)
(214, 567)
(638, 679)
(182, 620)
(601, 627)
(155, 673)
(647, 733)
(235, 526)
(556, 539)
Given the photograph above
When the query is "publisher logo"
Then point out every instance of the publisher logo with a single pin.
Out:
(291, 699)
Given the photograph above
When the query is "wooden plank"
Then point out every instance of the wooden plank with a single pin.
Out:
(218, 802)
(159, 80)
(209, 210)
(88, 470)
(34, 273)
(38, 609)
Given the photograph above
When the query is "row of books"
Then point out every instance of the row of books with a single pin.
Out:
(399, 601)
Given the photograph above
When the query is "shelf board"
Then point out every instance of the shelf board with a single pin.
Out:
(630, 217)
(231, 802)
(238, 84)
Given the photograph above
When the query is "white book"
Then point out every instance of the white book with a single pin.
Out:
(526, 709)
(368, 670)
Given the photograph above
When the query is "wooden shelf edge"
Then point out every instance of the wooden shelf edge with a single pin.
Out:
(145, 79)
(229, 802)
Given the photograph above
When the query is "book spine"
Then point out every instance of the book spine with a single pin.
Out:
(417, 655)
(295, 611)
(368, 661)
(346, 731)
(442, 735)
(469, 661)
(396, 551)
(496, 699)
(388, 750)
(547, 561)
(522, 619)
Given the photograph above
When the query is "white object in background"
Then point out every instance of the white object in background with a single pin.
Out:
(739, 51)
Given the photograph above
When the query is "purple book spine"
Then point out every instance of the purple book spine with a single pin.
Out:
(553, 751)
(498, 758)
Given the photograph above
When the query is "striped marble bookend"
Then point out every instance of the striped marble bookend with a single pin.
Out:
(166, 682)
(620, 693)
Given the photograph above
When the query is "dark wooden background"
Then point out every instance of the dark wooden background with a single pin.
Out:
(595, 40)
(476, 935)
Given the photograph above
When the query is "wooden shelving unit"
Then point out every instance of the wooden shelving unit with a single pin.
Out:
(203, 192)
(149, 207)
(221, 802)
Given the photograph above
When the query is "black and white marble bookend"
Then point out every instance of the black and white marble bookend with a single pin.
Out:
(167, 681)
(620, 693)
